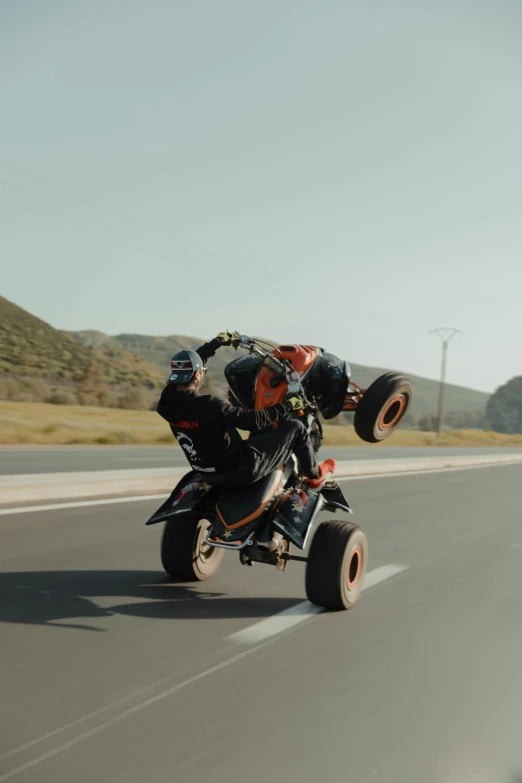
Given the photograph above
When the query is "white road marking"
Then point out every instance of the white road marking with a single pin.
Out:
(278, 623)
(162, 458)
(300, 613)
(80, 504)
(139, 498)
(424, 472)
(383, 573)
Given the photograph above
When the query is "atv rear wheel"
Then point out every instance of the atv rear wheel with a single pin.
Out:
(184, 552)
(383, 405)
(336, 565)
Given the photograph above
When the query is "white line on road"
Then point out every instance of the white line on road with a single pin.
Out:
(278, 623)
(378, 575)
(300, 613)
(163, 496)
(162, 458)
(425, 471)
(80, 504)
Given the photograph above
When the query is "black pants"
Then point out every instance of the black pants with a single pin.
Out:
(264, 451)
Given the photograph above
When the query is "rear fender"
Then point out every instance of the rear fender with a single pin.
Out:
(296, 513)
(190, 496)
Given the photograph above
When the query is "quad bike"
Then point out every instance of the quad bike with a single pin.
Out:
(261, 379)
(262, 520)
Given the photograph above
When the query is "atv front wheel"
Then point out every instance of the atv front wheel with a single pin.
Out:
(336, 565)
(184, 552)
(383, 405)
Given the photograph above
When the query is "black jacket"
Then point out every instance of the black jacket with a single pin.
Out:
(205, 426)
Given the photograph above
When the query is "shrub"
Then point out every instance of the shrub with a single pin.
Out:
(23, 389)
(167, 438)
(92, 389)
(504, 408)
(135, 399)
(61, 398)
(38, 389)
(114, 439)
(10, 388)
(50, 429)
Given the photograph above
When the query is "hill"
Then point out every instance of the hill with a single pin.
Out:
(158, 351)
(458, 399)
(32, 348)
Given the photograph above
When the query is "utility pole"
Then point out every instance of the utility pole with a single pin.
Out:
(446, 335)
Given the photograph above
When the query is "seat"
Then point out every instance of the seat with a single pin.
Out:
(239, 506)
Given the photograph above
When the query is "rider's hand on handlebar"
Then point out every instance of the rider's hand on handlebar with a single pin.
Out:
(296, 403)
(225, 338)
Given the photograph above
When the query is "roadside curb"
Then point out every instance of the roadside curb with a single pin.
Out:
(65, 486)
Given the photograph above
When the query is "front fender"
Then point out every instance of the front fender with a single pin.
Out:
(334, 498)
(296, 513)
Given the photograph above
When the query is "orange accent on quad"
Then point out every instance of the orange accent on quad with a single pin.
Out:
(268, 390)
(353, 398)
(392, 412)
(354, 567)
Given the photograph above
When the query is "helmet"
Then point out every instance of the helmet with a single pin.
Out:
(184, 364)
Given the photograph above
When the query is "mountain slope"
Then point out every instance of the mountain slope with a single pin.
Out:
(158, 351)
(458, 399)
(30, 347)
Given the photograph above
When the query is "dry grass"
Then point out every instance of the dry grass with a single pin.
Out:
(40, 423)
(28, 422)
(345, 436)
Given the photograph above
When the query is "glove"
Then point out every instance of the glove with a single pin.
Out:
(225, 338)
(295, 403)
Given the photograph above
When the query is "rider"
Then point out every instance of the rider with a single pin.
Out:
(205, 428)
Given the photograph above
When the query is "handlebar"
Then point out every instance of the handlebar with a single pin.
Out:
(295, 387)
(250, 344)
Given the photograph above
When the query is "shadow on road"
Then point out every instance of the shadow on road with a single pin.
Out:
(52, 597)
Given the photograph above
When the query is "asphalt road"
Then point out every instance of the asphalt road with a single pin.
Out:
(61, 459)
(108, 672)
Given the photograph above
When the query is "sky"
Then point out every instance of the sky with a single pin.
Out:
(341, 173)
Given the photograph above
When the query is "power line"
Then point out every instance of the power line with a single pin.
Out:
(112, 239)
(127, 245)
(15, 187)
(130, 246)
(246, 285)
(36, 179)
(291, 288)
(245, 282)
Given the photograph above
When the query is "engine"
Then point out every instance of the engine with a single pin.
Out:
(325, 378)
